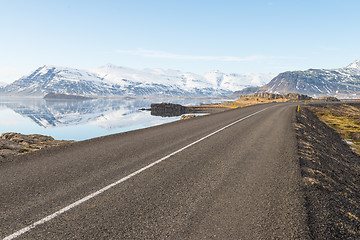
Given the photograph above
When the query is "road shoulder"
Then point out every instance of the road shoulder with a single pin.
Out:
(330, 171)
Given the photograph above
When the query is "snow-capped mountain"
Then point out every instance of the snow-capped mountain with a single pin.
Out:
(2, 84)
(355, 66)
(339, 82)
(111, 80)
(235, 81)
(48, 79)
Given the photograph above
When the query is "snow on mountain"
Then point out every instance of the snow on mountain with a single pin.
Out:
(339, 82)
(235, 81)
(111, 80)
(352, 69)
(172, 79)
(187, 81)
(48, 79)
(355, 64)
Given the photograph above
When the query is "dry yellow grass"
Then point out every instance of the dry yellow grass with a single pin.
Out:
(250, 100)
(343, 118)
(243, 102)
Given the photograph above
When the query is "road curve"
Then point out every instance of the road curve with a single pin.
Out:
(230, 175)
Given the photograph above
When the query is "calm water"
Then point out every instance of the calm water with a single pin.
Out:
(80, 120)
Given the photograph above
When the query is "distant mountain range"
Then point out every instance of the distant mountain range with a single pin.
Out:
(339, 82)
(112, 80)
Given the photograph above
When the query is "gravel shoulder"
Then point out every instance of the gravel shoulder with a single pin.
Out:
(331, 177)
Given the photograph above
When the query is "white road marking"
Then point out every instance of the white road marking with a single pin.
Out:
(88, 197)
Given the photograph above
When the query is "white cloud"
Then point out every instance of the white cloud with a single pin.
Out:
(161, 54)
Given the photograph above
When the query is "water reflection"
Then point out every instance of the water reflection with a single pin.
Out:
(80, 120)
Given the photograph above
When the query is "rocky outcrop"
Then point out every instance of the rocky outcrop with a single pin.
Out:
(329, 99)
(171, 110)
(168, 109)
(274, 96)
(270, 96)
(16, 143)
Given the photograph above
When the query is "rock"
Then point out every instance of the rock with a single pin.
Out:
(256, 92)
(329, 99)
(297, 96)
(26, 139)
(145, 109)
(355, 136)
(184, 117)
(7, 144)
(167, 109)
(274, 96)
(7, 152)
(16, 143)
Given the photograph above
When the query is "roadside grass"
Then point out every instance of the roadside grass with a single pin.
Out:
(250, 100)
(243, 102)
(343, 118)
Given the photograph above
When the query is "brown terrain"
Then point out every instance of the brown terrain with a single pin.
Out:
(331, 176)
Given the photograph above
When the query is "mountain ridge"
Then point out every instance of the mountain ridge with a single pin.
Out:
(339, 82)
(111, 80)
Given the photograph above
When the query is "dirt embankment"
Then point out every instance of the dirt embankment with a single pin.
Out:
(331, 174)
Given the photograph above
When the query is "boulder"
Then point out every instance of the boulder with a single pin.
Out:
(184, 117)
(167, 109)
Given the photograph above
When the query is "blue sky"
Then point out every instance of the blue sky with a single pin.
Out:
(196, 36)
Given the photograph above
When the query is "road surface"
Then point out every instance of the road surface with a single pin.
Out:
(230, 175)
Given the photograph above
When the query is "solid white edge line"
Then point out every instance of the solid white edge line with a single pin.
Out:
(88, 197)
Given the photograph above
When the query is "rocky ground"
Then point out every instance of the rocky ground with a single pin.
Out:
(331, 174)
(16, 143)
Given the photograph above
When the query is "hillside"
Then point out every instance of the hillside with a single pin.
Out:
(340, 82)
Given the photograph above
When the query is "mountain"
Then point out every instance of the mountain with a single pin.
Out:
(111, 80)
(339, 82)
(2, 84)
(53, 79)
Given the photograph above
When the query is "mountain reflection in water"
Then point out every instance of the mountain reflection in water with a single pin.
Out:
(79, 120)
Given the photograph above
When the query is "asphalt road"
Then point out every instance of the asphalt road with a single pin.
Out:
(242, 182)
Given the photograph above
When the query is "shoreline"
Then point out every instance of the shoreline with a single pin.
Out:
(26, 143)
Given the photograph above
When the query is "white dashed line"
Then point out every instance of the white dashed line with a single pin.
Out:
(88, 197)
